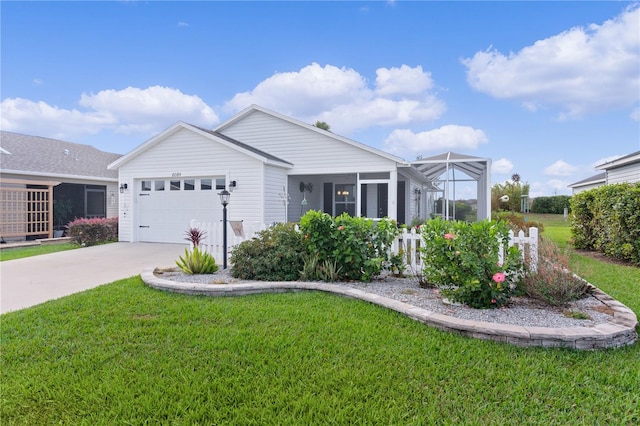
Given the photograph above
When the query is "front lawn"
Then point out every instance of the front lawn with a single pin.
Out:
(124, 353)
(28, 251)
(127, 354)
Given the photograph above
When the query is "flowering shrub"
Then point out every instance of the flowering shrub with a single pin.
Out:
(89, 232)
(358, 247)
(462, 258)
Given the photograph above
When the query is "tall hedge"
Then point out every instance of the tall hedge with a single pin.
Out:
(607, 219)
(553, 205)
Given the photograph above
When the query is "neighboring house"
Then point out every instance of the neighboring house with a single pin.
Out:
(620, 170)
(589, 183)
(276, 168)
(36, 170)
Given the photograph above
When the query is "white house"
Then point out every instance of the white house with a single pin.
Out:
(276, 169)
(620, 170)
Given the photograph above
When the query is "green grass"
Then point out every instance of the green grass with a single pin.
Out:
(20, 252)
(619, 281)
(556, 227)
(127, 354)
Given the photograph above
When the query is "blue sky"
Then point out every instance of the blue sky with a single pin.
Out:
(544, 89)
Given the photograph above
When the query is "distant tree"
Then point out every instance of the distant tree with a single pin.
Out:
(322, 125)
(514, 189)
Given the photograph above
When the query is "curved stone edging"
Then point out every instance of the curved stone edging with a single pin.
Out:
(619, 331)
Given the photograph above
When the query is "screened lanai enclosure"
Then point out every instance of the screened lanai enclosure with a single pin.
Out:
(452, 177)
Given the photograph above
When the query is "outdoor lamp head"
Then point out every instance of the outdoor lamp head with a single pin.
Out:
(224, 197)
(504, 198)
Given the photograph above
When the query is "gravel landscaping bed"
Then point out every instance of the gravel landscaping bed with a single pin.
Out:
(521, 311)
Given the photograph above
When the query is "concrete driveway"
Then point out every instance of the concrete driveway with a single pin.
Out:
(34, 280)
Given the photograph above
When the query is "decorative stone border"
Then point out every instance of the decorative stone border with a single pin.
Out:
(619, 331)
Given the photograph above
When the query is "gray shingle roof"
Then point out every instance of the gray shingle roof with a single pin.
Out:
(599, 178)
(24, 153)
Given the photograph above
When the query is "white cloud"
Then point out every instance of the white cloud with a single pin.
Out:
(38, 82)
(183, 24)
(549, 188)
(560, 168)
(446, 138)
(402, 81)
(342, 97)
(581, 71)
(501, 166)
(127, 111)
(635, 114)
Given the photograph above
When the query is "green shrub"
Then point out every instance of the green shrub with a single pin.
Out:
(197, 261)
(358, 246)
(551, 282)
(275, 254)
(553, 205)
(607, 219)
(89, 232)
(316, 270)
(463, 259)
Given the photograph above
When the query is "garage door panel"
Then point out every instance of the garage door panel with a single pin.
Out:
(164, 216)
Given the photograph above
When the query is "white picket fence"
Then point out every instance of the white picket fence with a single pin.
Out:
(237, 232)
(409, 241)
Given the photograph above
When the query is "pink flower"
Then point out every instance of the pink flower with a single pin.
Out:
(457, 253)
(498, 277)
(449, 236)
(340, 228)
(493, 301)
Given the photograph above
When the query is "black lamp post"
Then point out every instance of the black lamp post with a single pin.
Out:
(224, 200)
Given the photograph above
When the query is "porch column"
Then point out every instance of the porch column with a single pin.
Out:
(358, 196)
(392, 200)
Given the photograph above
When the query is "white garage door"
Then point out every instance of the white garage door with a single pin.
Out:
(166, 206)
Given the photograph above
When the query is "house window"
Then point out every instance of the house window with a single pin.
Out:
(145, 185)
(96, 202)
(220, 183)
(189, 184)
(174, 185)
(159, 185)
(345, 199)
(205, 184)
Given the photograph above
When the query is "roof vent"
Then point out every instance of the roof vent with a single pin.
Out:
(66, 152)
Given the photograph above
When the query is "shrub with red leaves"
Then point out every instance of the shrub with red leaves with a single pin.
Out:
(89, 232)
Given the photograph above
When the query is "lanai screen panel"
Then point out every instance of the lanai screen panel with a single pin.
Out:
(477, 168)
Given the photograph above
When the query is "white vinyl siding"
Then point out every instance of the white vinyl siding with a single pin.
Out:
(309, 151)
(188, 155)
(275, 182)
(629, 173)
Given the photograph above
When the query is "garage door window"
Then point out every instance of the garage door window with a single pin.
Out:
(159, 185)
(205, 184)
(189, 184)
(220, 183)
(174, 185)
(145, 185)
